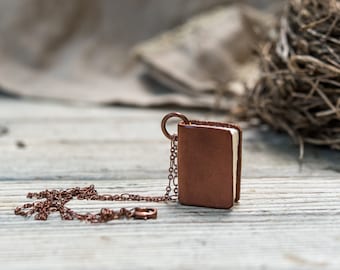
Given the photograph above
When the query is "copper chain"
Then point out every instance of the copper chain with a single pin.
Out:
(50, 201)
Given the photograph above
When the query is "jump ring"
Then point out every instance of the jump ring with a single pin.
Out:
(167, 117)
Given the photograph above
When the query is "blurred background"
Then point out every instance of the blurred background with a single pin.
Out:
(193, 53)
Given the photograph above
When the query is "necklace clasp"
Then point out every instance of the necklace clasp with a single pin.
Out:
(145, 213)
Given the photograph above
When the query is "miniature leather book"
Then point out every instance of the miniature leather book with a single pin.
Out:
(209, 163)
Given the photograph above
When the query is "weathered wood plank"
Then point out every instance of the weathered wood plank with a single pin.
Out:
(144, 159)
(278, 224)
(119, 146)
(288, 217)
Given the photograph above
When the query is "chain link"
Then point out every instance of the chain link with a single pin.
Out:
(50, 201)
(173, 173)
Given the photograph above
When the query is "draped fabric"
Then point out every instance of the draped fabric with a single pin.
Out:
(95, 51)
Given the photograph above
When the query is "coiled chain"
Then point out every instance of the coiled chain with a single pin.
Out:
(50, 201)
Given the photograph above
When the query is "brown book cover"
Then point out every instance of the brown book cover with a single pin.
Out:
(209, 164)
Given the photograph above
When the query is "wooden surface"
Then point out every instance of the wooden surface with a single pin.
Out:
(288, 216)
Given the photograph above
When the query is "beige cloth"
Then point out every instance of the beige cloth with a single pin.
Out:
(77, 50)
(211, 51)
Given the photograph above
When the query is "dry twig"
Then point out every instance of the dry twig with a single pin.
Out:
(299, 90)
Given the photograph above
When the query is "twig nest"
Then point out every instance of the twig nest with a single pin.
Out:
(299, 90)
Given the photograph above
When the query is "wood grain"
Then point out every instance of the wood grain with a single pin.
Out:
(288, 216)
